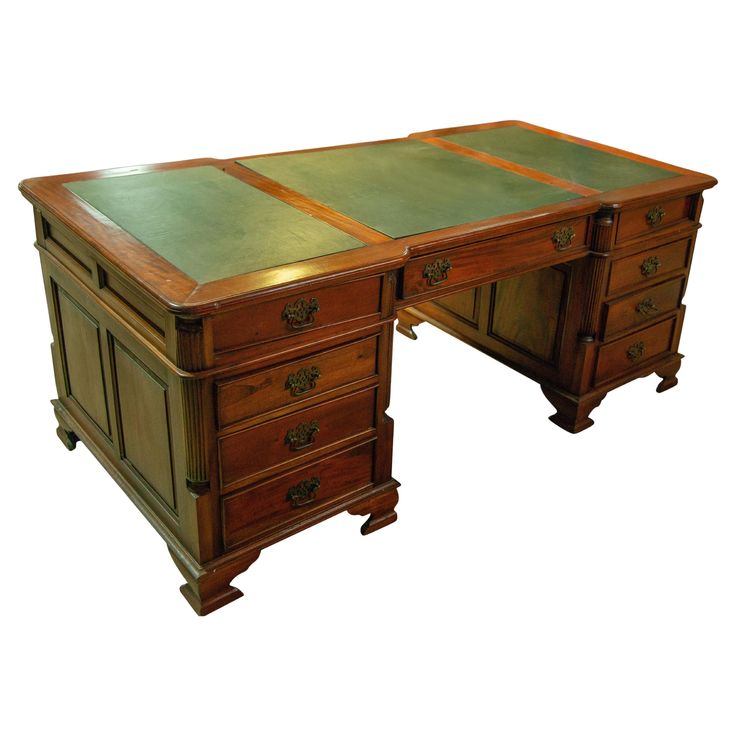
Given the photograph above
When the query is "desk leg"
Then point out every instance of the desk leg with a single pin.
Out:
(572, 411)
(668, 373)
(208, 589)
(407, 322)
(381, 508)
(64, 433)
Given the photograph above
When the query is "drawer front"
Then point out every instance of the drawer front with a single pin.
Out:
(293, 383)
(294, 438)
(296, 315)
(292, 497)
(492, 257)
(649, 265)
(626, 354)
(652, 217)
(643, 306)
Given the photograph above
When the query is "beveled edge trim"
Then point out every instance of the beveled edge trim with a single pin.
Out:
(515, 168)
(180, 294)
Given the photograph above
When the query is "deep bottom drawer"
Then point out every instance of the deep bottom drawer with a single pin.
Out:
(626, 354)
(289, 498)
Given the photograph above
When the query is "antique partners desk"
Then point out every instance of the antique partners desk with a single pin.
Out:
(222, 329)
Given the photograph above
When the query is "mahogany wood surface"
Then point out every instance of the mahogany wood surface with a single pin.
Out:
(239, 411)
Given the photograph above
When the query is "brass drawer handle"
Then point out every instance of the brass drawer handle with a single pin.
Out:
(303, 493)
(655, 215)
(563, 238)
(647, 307)
(436, 272)
(650, 266)
(635, 351)
(300, 313)
(303, 381)
(302, 436)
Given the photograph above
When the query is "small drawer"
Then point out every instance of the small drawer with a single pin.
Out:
(291, 384)
(296, 315)
(289, 440)
(493, 257)
(652, 217)
(626, 354)
(292, 497)
(649, 265)
(642, 306)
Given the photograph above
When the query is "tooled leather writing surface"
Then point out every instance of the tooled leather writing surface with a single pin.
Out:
(209, 224)
(406, 187)
(567, 160)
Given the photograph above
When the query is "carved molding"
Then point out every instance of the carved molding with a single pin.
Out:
(190, 343)
(195, 436)
(602, 240)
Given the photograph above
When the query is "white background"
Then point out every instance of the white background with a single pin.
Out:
(536, 582)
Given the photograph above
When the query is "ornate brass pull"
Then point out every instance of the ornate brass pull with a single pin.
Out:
(563, 238)
(304, 380)
(635, 351)
(647, 307)
(650, 266)
(655, 215)
(302, 436)
(303, 493)
(436, 272)
(300, 313)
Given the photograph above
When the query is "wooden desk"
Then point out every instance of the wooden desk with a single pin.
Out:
(222, 329)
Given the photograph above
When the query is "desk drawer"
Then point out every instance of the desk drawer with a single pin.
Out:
(290, 440)
(652, 217)
(292, 497)
(291, 384)
(296, 315)
(642, 306)
(649, 265)
(492, 257)
(626, 354)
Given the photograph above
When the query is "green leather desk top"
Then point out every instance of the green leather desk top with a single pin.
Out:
(406, 187)
(209, 224)
(571, 161)
(212, 225)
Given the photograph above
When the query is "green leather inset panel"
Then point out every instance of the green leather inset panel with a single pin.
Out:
(209, 224)
(571, 161)
(406, 187)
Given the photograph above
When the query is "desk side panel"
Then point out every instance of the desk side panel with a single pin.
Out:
(124, 401)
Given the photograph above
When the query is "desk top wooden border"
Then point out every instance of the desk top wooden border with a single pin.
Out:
(181, 294)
